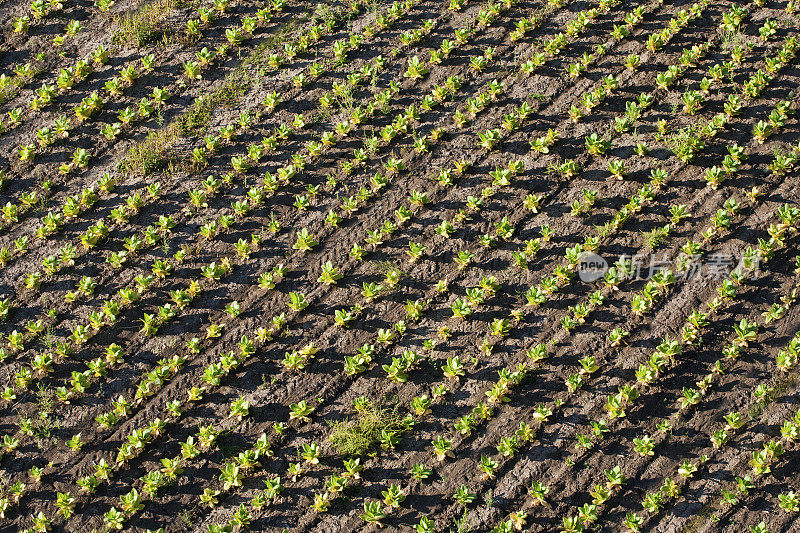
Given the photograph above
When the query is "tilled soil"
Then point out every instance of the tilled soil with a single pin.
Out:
(551, 457)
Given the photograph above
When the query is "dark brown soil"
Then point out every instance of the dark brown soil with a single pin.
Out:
(551, 458)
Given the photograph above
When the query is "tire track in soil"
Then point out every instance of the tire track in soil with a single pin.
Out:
(766, 506)
(232, 239)
(710, 210)
(556, 431)
(487, 432)
(739, 453)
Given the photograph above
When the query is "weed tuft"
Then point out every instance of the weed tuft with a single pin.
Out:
(145, 25)
(360, 434)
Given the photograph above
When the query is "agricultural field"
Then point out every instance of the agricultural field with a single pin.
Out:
(423, 265)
